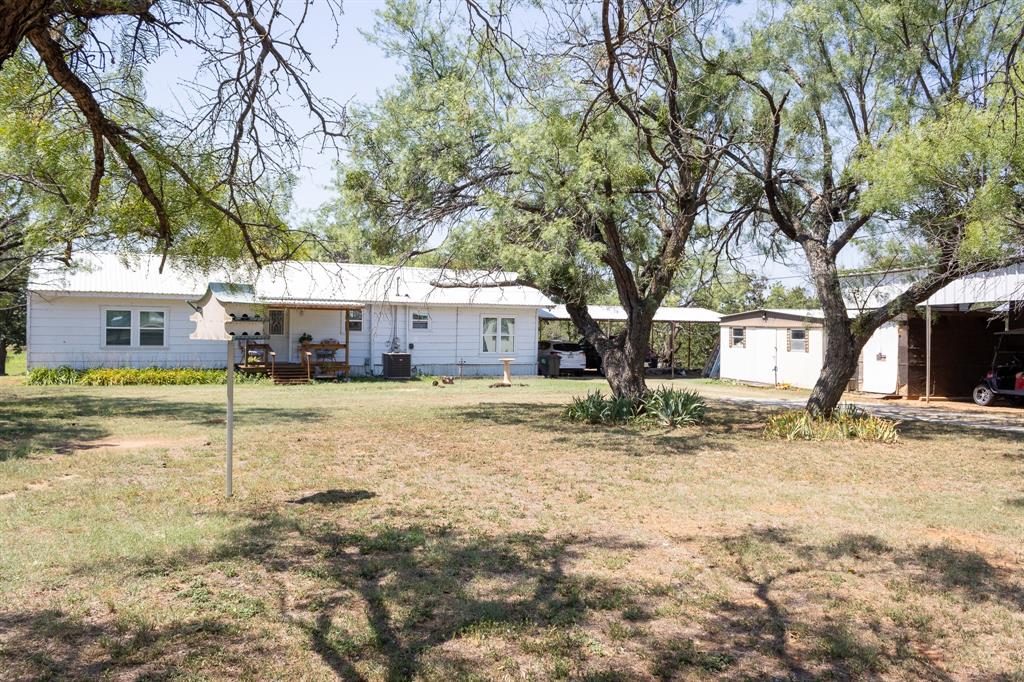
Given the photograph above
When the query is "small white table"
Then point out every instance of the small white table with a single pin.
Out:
(507, 379)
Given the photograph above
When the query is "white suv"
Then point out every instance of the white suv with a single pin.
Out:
(570, 354)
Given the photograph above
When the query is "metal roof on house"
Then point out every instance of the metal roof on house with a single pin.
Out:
(603, 313)
(287, 282)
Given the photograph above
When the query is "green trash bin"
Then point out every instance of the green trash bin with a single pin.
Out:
(548, 364)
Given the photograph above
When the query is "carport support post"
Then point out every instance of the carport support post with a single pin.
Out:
(927, 353)
(689, 345)
(672, 347)
(231, 413)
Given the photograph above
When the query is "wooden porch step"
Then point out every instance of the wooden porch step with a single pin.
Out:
(290, 373)
(282, 372)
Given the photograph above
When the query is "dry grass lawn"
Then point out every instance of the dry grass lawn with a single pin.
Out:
(396, 531)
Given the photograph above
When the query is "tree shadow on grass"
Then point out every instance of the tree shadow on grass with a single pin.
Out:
(398, 601)
(970, 575)
(415, 589)
(54, 644)
(334, 496)
(773, 561)
(919, 430)
(547, 419)
(66, 422)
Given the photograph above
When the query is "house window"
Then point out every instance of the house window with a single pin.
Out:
(118, 328)
(499, 335)
(737, 337)
(797, 342)
(151, 328)
(276, 326)
(421, 321)
(355, 320)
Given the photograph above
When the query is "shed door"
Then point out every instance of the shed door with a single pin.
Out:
(277, 330)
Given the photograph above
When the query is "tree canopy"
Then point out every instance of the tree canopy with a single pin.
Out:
(217, 173)
(577, 178)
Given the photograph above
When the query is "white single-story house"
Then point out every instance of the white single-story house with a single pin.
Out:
(111, 312)
(944, 349)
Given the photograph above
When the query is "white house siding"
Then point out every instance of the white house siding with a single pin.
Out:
(765, 360)
(454, 337)
(879, 360)
(68, 330)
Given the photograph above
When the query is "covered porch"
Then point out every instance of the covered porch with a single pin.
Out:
(303, 341)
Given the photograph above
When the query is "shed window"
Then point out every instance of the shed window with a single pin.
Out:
(797, 341)
(498, 335)
(151, 328)
(355, 320)
(737, 337)
(118, 328)
(421, 321)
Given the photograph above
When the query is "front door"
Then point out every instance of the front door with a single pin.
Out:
(277, 330)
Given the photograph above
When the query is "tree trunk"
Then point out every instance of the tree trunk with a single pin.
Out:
(3, 356)
(842, 346)
(623, 355)
(18, 17)
(842, 351)
(624, 370)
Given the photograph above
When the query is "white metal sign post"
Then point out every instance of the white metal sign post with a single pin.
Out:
(227, 312)
(231, 415)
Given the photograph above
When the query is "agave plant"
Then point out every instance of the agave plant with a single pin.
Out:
(847, 422)
(672, 407)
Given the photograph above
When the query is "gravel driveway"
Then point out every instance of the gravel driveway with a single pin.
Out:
(1008, 420)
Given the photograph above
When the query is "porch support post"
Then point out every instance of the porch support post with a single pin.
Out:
(927, 353)
(230, 417)
(344, 322)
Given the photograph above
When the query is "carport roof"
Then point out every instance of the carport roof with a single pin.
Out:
(604, 313)
(872, 289)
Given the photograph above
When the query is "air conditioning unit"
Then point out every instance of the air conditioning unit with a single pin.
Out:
(397, 365)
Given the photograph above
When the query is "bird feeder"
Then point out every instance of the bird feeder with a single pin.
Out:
(227, 312)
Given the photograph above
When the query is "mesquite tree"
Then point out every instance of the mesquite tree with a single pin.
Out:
(214, 175)
(844, 99)
(582, 160)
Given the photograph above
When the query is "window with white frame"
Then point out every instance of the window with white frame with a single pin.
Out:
(498, 335)
(151, 327)
(737, 337)
(134, 328)
(117, 328)
(421, 320)
(797, 342)
(355, 320)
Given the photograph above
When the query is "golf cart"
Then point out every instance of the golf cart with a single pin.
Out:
(1007, 374)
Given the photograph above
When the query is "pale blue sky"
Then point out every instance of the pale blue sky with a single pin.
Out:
(350, 69)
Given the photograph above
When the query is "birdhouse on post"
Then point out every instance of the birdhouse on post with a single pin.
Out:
(227, 312)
